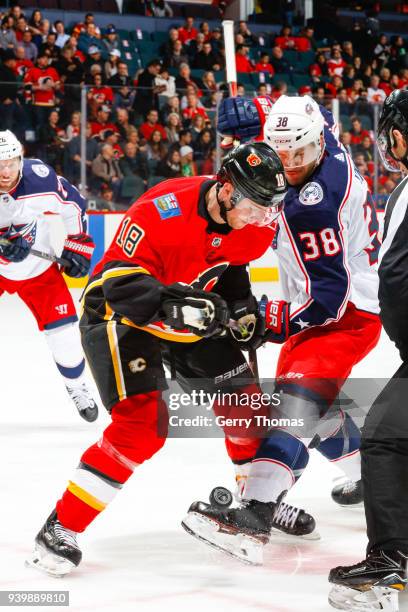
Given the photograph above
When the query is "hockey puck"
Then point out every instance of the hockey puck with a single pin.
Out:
(221, 497)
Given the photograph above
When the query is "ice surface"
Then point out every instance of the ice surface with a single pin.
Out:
(136, 555)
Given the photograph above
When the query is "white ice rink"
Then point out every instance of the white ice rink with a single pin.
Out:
(136, 556)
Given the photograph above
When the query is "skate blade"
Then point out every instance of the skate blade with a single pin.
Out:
(359, 506)
(283, 536)
(50, 563)
(375, 599)
(240, 546)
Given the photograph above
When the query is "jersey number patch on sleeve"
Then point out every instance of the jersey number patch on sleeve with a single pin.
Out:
(320, 243)
(129, 237)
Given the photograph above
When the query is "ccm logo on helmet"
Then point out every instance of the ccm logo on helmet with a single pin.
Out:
(253, 159)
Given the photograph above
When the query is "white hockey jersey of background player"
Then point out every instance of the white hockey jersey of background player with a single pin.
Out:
(28, 189)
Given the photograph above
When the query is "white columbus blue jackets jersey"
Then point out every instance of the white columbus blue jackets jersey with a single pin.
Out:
(40, 190)
(327, 242)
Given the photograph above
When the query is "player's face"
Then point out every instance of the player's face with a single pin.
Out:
(247, 212)
(299, 163)
(9, 173)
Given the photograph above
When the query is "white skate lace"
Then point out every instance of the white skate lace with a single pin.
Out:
(81, 397)
(349, 487)
(65, 535)
(286, 515)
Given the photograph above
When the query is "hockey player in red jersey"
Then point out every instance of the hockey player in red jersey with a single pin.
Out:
(165, 290)
(28, 189)
(326, 320)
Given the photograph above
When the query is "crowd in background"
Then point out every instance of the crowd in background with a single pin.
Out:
(155, 119)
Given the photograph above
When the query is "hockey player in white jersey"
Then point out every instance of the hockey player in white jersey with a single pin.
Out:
(327, 318)
(28, 189)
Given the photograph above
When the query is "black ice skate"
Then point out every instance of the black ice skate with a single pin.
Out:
(242, 532)
(84, 402)
(371, 585)
(56, 550)
(349, 494)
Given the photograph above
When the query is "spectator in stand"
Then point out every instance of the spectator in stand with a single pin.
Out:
(111, 40)
(249, 38)
(366, 149)
(345, 108)
(193, 107)
(156, 151)
(147, 92)
(45, 29)
(205, 31)
(358, 66)
(105, 169)
(279, 63)
(398, 57)
(207, 59)
(16, 12)
(111, 65)
(8, 38)
(242, 60)
(347, 51)
(286, 40)
(94, 58)
(44, 82)
(50, 48)
(152, 124)
(184, 79)
(34, 23)
(173, 126)
(53, 139)
(385, 76)
(318, 68)
(395, 82)
(362, 105)
(71, 72)
(177, 56)
(80, 28)
(335, 64)
(194, 47)
(166, 82)
(134, 162)
(264, 64)
(349, 74)
(123, 124)
(22, 64)
(30, 49)
(203, 145)
(90, 38)
(112, 138)
(382, 50)
(99, 94)
(172, 106)
(345, 139)
(124, 97)
(159, 8)
(197, 125)
(362, 167)
(357, 132)
(20, 27)
(308, 33)
(185, 138)
(209, 165)
(12, 115)
(167, 47)
(188, 167)
(216, 39)
(209, 87)
(102, 123)
(121, 78)
(376, 95)
(170, 166)
(62, 37)
(333, 86)
(188, 32)
(74, 126)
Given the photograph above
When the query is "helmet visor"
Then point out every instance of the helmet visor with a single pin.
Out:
(384, 149)
(297, 158)
(255, 214)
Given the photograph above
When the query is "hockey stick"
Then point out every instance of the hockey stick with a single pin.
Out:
(59, 260)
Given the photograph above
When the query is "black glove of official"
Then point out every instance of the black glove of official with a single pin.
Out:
(251, 325)
(78, 251)
(201, 312)
(13, 246)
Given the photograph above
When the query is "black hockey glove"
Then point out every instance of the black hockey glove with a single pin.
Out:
(201, 312)
(14, 247)
(251, 325)
(78, 251)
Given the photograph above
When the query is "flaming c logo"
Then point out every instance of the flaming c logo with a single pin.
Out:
(253, 159)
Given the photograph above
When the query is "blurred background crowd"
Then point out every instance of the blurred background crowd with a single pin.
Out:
(148, 99)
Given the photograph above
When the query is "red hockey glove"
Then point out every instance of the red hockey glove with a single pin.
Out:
(277, 321)
(78, 251)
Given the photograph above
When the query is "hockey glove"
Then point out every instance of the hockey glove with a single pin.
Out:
(15, 245)
(201, 312)
(78, 251)
(276, 320)
(250, 323)
(243, 118)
